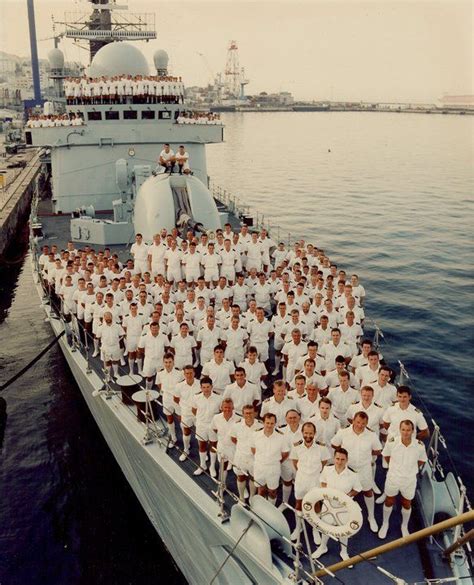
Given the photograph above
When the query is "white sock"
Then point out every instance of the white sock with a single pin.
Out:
(406, 517)
(116, 370)
(96, 344)
(172, 431)
(324, 540)
(272, 500)
(286, 493)
(224, 476)
(252, 488)
(213, 457)
(139, 365)
(131, 364)
(148, 384)
(241, 489)
(370, 503)
(277, 362)
(387, 511)
(186, 442)
(202, 460)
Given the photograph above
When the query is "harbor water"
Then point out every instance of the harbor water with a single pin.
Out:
(387, 196)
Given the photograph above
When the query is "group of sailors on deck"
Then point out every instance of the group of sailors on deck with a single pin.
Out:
(124, 89)
(52, 121)
(206, 319)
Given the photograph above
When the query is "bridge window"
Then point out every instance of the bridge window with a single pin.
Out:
(112, 115)
(164, 115)
(148, 115)
(94, 116)
(129, 114)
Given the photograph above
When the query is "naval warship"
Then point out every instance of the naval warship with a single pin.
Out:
(104, 190)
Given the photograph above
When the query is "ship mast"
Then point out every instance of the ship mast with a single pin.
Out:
(108, 22)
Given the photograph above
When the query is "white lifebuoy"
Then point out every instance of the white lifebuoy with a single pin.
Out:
(332, 511)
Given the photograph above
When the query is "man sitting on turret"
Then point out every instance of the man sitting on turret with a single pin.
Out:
(167, 158)
(182, 158)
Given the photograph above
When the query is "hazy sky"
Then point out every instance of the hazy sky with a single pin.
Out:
(339, 49)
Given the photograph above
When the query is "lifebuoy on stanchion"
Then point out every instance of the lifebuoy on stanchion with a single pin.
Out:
(332, 512)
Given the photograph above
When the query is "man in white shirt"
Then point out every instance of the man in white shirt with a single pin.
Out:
(208, 338)
(166, 380)
(139, 251)
(342, 396)
(221, 443)
(173, 258)
(156, 256)
(204, 406)
(211, 262)
(153, 343)
(229, 260)
(405, 456)
(270, 448)
(183, 395)
(260, 331)
(111, 335)
(167, 158)
(220, 370)
(292, 350)
(278, 404)
(404, 410)
(242, 435)
(182, 159)
(192, 264)
(362, 445)
(133, 324)
(242, 392)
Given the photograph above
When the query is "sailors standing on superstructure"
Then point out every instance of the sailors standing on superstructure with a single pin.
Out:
(205, 319)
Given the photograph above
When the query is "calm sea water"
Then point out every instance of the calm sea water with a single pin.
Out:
(387, 196)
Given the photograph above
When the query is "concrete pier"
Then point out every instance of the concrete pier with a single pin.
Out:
(16, 194)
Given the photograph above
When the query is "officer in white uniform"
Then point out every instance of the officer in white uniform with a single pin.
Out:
(192, 264)
(362, 445)
(242, 392)
(183, 395)
(111, 335)
(340, 477)
(153, 343)
(235, 338)
(308, 458)
(278, 404)
(220, 370)
(204, 406)
(133, 324)
(156, 256)
(342, 396)
(166, 380)
(139, 251)
(260, 330)
(270, 448)
(242, 435)
(221, 443)
(405, 455)
(404, 410)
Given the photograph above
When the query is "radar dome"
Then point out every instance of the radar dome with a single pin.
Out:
(161, 59)
(118, 59)
(56, 59)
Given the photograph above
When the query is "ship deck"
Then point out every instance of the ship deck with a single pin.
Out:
(413, 562)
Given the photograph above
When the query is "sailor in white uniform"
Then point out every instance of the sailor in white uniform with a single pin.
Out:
(278, 404)
(270, 448)
(133, 324)
(362, 445)
(153, 343)
(139, 251)
(292, 429)
(404, 410)
(242, 435)
(235, 338)
(340, 477)
(260, 330)
(221, 443)
(111, 334)
(204, 406)
(220, 370)
(242, 392)
(192, 264)
(308, 458)
(156, 256)
(183, 395)
(405, 455)
(166, 380)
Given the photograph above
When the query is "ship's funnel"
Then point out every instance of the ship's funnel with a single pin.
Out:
(164, 201)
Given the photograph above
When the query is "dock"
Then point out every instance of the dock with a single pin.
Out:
(18, 183)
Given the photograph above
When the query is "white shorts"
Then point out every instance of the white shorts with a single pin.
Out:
(267, 475)
(188, 421)
(303, 483)
(141, 266)
(244, 464)
(262, 349)
(150, 367)
(288, 470)
(234, 355)
(111, 354)
(366, 477)
(211, 275)
(95, 325)
(228, 272)
(158, 269)
(278, 343)
(169, 405)
(174, 274)
(406, 488)
(204, 433)
(180, 361)
(192, 275)
(254, 263)
(131, 343)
